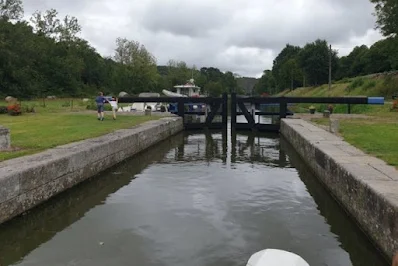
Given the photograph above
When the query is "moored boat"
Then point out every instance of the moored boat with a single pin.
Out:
(187, 90)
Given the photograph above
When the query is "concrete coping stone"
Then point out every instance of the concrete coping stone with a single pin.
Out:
(341, 151)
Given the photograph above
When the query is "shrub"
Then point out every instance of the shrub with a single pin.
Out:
(14, 109)
(29, 108)
(66, 104)
(344, 80)
(355, 84)
(369, 84)
(389, 87)
(3, 110)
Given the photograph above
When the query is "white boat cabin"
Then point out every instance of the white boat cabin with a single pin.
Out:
(189, 89)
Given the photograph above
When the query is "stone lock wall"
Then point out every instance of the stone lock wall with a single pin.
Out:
(27, 181)
(365, 186)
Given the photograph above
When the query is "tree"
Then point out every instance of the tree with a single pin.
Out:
(282, 69)
(377, 58)
(387, 16)
(178, 72)
(46, 24)
(229, 82)
(69, 29)
(49, 25)
(140, 64)
(314, 60)
(212, 73)
(214, 89)
(352, 64)
(11, 9)
(266, 84)
(292, 73)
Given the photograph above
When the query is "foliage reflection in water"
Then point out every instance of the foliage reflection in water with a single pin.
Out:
(194, 199)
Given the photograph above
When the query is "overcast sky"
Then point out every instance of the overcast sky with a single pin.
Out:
(242, 36)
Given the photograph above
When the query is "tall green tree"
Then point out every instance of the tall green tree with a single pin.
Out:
(285, 67)
(387, 16)
(266, 84)
(214, 89)
(11, 9)
(352, 65)
(140, 65)
(229, 82)
(178, 72)
(48, 24)
(314, 60)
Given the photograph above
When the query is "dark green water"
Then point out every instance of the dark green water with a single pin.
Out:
(197, 199)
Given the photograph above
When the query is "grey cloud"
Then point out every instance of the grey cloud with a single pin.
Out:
(63, 6)
(188, 18)
(334, 21)
(234, 35)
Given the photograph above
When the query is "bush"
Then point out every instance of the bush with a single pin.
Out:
(369, 84)
(66, 104)
(29, 108)
(344, 80)
(355, 84)
(389, 87)
(14, 109)
(3, 110)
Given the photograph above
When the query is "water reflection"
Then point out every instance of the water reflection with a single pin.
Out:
(25, 233)
(199, 198)
(347, 232)
(243, 147)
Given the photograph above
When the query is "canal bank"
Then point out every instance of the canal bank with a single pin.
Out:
(365, 186)
(28, 181)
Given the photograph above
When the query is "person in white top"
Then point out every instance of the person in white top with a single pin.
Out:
(113, 102)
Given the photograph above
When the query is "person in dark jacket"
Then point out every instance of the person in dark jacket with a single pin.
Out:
(100, 100)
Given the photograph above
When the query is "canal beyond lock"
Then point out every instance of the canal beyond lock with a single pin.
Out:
(196, 199)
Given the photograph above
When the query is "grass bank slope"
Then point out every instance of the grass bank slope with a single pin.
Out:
(383, 85)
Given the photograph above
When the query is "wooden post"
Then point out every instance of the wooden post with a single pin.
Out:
(224, 144)
(349, 109)
(181, 111)
(233, 110)
(330, 67)
(253, 111)
(225, 110)
(282, 108)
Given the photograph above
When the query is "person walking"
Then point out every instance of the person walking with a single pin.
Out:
(113, 102)
(100, 100)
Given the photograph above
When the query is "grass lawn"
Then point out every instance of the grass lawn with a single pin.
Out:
(32, 133)
(377, 136)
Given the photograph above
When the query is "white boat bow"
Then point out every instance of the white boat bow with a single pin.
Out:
(276, 257)
(173, 94)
